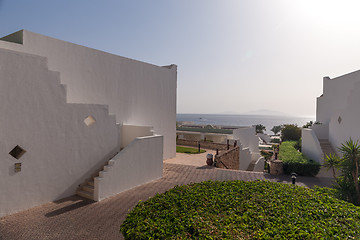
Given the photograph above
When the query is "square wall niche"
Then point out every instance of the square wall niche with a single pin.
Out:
(90, 120)
(17, 152)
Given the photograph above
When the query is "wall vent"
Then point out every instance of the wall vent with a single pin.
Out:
(17, 152)
(90, 120)
(17, 167)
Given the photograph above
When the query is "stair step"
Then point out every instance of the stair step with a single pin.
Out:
(85, 194)
(88, 188)
(91, 183)
(326, 147)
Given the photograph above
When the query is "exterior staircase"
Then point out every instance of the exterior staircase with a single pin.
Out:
(326, 147)
(86, 189)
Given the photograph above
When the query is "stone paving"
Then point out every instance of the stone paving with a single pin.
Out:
(77, 218)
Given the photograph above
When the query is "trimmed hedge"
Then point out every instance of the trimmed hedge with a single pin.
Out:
(243, 210)
(295, 161)
(304, 169)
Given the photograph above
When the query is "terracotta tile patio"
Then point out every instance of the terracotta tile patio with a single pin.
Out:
(77, 218)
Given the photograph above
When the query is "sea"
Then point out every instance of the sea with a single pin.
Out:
(242, 120)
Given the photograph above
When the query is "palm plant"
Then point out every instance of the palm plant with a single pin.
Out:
(350, 163)
(331, 161)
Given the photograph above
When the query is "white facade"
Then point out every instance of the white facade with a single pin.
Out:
(337, 112)
(73, 108)
(249, 148)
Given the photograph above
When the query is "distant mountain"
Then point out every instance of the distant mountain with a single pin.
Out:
(266, 112)
(229, 113)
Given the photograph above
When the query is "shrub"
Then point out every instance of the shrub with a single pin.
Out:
(295, 161)
(266, 154)
(297, 145)
(275, 140)
(304, 169)
(290, 132)
(243, 210)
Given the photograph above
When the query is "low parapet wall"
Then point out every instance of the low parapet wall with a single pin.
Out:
(228, 159)
(140, 162)
(203, 144)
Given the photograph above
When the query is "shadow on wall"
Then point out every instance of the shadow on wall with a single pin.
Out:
(95, 168)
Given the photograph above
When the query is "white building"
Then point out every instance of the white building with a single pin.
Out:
(66, 110)
(338, 113)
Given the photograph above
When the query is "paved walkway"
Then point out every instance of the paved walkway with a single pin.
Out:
(77, 218)
(191, 159)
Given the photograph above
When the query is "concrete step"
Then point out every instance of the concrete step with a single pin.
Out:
(85, 194)
(88, 188)
(326, 147)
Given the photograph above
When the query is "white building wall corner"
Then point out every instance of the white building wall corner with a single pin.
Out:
(137, 93)
(61, 149)
(48, 88)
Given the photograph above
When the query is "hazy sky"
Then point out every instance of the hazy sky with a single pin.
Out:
(232, 55)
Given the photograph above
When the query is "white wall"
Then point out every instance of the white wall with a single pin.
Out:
(194, 136)
(144, 155)
(130, 132)
(137, 93)
(247, 137)
(244, 158)
(348, 127)
(335, 92)
(259, 165)
(321, 130)
(61, 150)
(216, 138)
(310, 145)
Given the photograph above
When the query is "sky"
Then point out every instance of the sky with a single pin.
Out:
(233, 56)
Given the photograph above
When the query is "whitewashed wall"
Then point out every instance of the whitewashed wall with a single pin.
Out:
(310, 145)
(130, 132)
(348, 127)
(137, 93)
(61, 150)
(144, 155)
(247, 137)
(244, 158)
(321, 130)
(335, 93)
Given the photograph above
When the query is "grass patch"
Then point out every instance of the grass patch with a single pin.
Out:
(295, 161)
(189, 150)
(242, 210)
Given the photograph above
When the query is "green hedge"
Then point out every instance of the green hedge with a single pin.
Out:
(295, 161)
(242, 210)
(304, 169)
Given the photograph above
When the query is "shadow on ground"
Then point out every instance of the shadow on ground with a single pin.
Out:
(78, 203)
